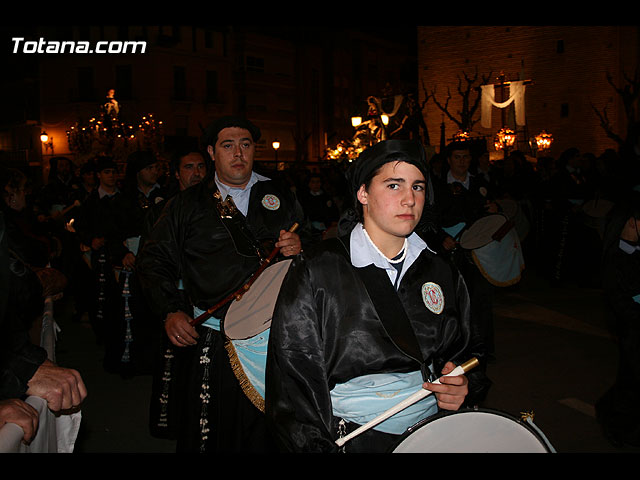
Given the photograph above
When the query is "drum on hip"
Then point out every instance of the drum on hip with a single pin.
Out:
(246, 326)
(495, 248)
(473, 431)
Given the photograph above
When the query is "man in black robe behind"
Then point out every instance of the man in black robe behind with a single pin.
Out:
(214, 253)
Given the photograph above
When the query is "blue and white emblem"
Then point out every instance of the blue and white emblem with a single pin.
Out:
(270, 202)
(432, 297)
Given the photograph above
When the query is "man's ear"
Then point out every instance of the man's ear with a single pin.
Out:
(362, 195)
(210, 150)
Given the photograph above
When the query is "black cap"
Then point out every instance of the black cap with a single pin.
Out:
(374, 157)
(103, 163)
(140, 159)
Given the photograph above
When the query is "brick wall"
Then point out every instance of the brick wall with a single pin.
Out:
(567, 65)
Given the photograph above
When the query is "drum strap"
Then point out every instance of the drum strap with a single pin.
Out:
(391, 312)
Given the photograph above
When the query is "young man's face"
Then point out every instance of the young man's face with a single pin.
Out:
(459, 162)
(393, 203)
(233, 156)
(108, 177)
(148, 176)
(191, 171)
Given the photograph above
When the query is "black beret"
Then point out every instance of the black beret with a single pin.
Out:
(105, 162)
(374, 157)
(140, 159)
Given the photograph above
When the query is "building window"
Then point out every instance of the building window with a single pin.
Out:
(560, 46)
(212, 85)
(564, 110)
(179, 83)
(208, 38)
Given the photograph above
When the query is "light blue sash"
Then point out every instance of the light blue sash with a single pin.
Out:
(251, 352)
(133, 243)
(211, 322)
(362, 399)
(454, 230)
(636, 298)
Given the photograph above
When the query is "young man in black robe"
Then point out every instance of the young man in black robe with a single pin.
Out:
(334, 358)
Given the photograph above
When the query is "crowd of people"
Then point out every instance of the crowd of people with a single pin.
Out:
(150, 257)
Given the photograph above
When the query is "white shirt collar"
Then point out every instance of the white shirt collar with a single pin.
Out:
(227, 190)
(102, 192)
(363, 252)
(240, 195)
(627, 247)
(155, 185)
(451, 179)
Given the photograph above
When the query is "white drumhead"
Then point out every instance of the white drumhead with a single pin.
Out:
(472, 431)
(252, 314)
(481, 232)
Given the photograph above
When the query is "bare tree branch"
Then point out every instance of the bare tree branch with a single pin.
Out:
(466, 87)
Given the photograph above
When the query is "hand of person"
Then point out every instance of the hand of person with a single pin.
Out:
(22, 414)
(449, 243)
(62, 388)
(289, 243)
(129, 261)
(451, 391)
(180, 332)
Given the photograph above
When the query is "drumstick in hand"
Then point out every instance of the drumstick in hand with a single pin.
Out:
(419, 395)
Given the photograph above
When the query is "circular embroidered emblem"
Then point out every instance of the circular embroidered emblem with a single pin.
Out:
(432, 297)
(271, 202)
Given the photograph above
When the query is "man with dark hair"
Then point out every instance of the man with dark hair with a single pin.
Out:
(367, 319)
(188, 168)
(102, 241)
(461, 199)
(319, 207)
(212, 237)
(132, 337)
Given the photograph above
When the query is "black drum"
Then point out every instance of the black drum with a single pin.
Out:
(473, 431)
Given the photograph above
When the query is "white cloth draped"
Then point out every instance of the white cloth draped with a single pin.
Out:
(516, 96)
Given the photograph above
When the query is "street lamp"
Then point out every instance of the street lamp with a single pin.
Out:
(544, 140)
(276, 145)
(505, 139)
(46, 141)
